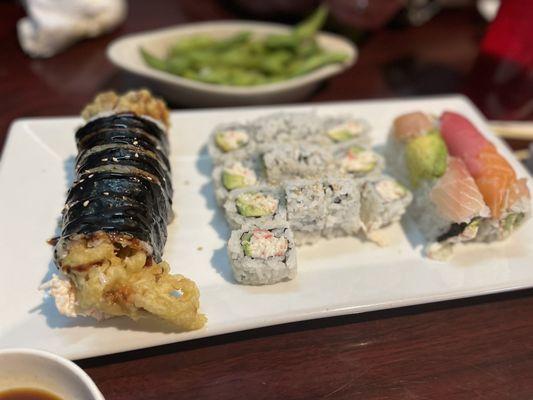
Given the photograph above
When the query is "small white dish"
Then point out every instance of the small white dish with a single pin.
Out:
(124, 53)
(36, 369)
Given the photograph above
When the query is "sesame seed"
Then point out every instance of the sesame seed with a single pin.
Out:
(135, 142)
(136, 155)
(115, 159)
(106, 193)
(104, 159)
(90, 176)
(85, 203)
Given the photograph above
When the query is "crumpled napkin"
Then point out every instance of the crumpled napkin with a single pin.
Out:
(53, 25)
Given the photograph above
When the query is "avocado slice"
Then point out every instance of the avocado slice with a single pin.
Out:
(246, 207)
(232, 181)
(221, 142)
(225, 145)
(245, 243)
(512, 221)
(340, 135)
(426, 157)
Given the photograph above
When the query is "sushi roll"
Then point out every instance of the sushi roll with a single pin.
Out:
(383, 202)
(449, 209)
(323, 208)
(114, 225)
(343, 130)
(306, 209)
(231, 141)
(342, 207)
(262, 256)
(261, 205)
(447, 205)
(357, 162)
(283, 127)
(235, 174)
(292, 161)
(506, 195)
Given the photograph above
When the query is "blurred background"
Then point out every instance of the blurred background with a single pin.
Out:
(481, 48)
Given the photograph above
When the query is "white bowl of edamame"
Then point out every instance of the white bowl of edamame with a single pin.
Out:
(229, 63)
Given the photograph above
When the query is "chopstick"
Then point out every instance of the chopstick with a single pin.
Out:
(521, 155)
(517, 130)
(520, 130)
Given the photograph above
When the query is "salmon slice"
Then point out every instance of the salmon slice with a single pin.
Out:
(493, 163)
(494, 189)
(456, 194)
(411, 125)
(494, 179)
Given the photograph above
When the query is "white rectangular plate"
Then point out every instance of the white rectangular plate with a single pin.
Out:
(335, 277)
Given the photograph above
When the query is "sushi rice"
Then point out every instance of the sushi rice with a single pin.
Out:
(285, 128)
(343, 203)
(292, 161)
(306, 209)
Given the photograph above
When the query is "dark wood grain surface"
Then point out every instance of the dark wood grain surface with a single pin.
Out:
(478, 348)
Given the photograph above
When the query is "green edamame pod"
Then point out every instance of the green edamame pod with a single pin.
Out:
(307, 48)
(312, 24)
(187, 44)
(316, 61)
(153, 61)
(281, 41)
(276, 62)
(238, 38)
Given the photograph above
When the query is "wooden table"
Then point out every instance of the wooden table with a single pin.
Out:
(475, 348)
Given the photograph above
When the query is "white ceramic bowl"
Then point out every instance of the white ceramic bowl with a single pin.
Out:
(28, 368)
(124, 53)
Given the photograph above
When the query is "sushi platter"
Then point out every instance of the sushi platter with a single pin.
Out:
(275, 215)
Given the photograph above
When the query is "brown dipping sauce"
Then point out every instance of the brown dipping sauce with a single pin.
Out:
(28, 394)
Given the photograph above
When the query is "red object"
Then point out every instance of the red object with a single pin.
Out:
(463, 139)
(501, 82)
(510, 36)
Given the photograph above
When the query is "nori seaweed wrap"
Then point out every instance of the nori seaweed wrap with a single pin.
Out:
(114, 224)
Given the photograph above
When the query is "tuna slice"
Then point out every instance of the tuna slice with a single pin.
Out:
(461, 136)
(456, 194)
